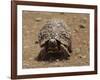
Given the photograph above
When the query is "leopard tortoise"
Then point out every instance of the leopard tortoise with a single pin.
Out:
(55, 40)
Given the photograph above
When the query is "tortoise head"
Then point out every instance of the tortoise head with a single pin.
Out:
(52, 46)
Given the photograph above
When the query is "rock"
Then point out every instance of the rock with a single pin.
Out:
(84, 42)
(87, 62)
(74, 17)
(26, 46)
(73, 31)
(77, 50)
(38, 19)
(85, 31)
(31, 58)
(84, 20)
(27, 32)
(76, 30)
(82, 26)
(82, 56)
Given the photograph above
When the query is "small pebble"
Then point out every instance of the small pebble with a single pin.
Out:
(30, 58)
(85, 31)
(84, 42)
(76, 30)
(84, 20)
(77, 50)
(26, 46)
(81, 56)
(74, 17)
(27, 32)
(82, 26)
(87, 62)
(73, 31)
(38, 19)
(84, 56)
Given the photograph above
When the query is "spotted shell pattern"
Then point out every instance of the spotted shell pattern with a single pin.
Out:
(55, 29)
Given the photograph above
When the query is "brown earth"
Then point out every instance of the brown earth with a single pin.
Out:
(79, 26)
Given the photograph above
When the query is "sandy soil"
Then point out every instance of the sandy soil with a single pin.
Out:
(79, 26)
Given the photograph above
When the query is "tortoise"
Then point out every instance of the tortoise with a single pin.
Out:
(55, 40)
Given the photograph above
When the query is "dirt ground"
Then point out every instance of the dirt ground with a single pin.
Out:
(79, 26)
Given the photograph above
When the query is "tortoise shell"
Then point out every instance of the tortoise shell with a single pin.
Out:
(55, 29)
